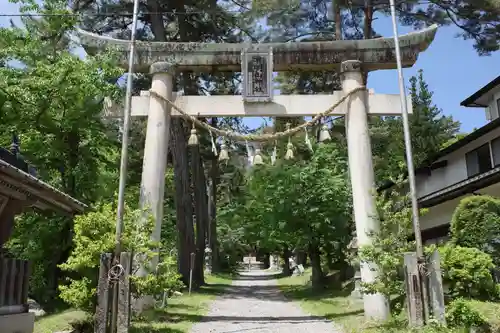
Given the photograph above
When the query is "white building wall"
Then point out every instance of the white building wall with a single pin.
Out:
(439, 214)
(493, 106)
(443, 213)
(455, 171)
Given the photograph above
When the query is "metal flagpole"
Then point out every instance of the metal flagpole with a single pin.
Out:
(124, 159)
(409, 157)
(125, 134)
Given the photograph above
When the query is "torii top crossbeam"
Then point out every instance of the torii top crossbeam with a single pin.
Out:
(374, 54)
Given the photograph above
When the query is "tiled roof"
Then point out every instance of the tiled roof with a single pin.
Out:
(16, 171)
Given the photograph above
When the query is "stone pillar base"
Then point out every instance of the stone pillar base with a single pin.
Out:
(356, 293)
(17, 323)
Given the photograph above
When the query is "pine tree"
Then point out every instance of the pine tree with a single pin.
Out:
(476, 19)
(430, 131)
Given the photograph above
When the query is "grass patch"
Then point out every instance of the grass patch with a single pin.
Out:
(184, 311)
(335, 305)
(491, 311)
(178, 317)
(59, 321)
(347, 312)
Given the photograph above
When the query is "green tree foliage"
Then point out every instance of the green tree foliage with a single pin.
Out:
(430, 130)
(476, 223)
(53, 100)
(476, 20)
(467, 272)
(95, 235)
(184, 21)
(311, 208)
(389, 245)
(457, 137)
(460, 313)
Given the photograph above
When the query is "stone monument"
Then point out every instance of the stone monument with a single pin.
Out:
(353, 248)
(208, 260)
(257, 62)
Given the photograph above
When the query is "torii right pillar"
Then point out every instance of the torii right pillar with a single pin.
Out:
(362, 179)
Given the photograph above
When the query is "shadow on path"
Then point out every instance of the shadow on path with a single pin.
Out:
(262, 319)
(254, 303)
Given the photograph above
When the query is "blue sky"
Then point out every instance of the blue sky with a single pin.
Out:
(452, 69)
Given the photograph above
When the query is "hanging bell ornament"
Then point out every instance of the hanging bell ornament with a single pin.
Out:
(224, 154)
(249, 153)
(274, 155)
(214, 146)
(289, 151)
(193, 138)
(257, 158)
(324, 134)
(308, 141)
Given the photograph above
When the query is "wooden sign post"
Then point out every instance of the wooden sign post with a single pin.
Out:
(191, 267)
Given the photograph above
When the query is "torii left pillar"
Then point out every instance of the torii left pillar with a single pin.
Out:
(155, 156)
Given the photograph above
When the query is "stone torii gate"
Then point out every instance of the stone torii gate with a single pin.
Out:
(352, 58)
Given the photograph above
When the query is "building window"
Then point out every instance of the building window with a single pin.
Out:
(495, 151)
(437, 241)
(498, 106)
(478, 160)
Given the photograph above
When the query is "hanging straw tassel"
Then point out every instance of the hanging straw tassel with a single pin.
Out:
(324, 135)
(257, 158)
(224, 154)
(274, 154)
(249, 153)
(214, 146)
(289, 151)
(193, 138)
(308, 142)
(289, 146)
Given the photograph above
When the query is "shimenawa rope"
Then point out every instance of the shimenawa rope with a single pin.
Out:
(257, 137)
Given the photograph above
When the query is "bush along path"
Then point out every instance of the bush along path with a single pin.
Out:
(255, 304)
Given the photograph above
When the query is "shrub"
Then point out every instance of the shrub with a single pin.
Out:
(94, 235)
(476, 223)
(459, 313)
(467, 271)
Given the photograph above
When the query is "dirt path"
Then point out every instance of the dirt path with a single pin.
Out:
(254, 304)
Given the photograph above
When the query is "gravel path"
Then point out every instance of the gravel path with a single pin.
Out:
(254, 304)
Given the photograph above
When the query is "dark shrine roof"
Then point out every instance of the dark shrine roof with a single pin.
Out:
(17, 176)
(476, 100)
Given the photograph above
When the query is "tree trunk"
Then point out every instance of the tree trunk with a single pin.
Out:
(342, 266)
(317, 272)
(265, 260)
(330, 256)
(183, 201)
(286, 264)
(72, 158)
(337, 18)
(329, 260)
(214, 245)
(214, 176)
(201, 212)
(301, 258)
(367, 28)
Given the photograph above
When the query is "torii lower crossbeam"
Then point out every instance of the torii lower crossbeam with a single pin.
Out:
(281, 106)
